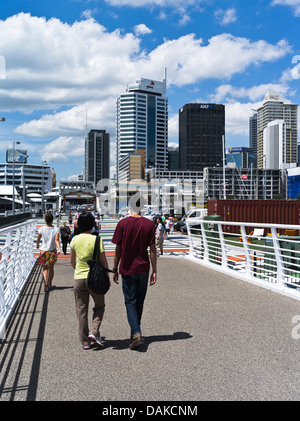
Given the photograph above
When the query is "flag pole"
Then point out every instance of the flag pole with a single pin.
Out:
(224, 159)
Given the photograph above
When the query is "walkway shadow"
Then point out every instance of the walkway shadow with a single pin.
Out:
(120, 344)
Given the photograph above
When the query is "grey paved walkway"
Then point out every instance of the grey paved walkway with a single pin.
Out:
(207, 337)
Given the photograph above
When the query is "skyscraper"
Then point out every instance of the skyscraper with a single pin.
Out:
(275, 107)
(253, 133)
(97, 156)
(274, 147)
(142, 122)
(201, 127)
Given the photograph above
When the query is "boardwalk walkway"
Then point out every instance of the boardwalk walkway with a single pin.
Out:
(207, 337)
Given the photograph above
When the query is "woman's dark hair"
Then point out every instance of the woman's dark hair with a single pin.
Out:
(85, 222)
(48, 218)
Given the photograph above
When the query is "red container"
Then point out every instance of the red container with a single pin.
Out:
(260, 211)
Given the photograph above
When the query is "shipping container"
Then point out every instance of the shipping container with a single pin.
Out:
(260, 211)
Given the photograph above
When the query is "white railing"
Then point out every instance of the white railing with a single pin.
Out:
(16, 263)
(268, 258)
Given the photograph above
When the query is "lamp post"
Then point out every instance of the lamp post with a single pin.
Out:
(24, 159)
(14, 158)
(44, 164)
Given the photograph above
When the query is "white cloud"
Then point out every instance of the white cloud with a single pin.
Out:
(142, 29)
(295, 4)
(225, 17)
(88, 14)
(69, 121)
(73, 177)
(231, 93)
(237, 116)
(189, 60)
(51, 65)
(61, 148)
(173, 126)
(185, 18)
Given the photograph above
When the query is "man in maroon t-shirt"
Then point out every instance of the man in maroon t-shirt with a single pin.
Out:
(133, 235)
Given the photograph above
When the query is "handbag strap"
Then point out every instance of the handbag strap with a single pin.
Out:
(96, 254)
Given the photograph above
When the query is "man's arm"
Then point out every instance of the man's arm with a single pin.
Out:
(153, 259)
(117, 257)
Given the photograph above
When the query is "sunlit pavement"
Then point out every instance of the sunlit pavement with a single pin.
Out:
(207, 336)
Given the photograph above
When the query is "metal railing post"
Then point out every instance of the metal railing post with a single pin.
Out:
(278, 257)
(17, 261)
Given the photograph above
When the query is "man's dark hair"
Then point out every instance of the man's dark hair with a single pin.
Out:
(86, 222)
(48, 218)
(137, 202)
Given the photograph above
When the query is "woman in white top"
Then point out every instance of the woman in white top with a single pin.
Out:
(50, 248)
(160, 235)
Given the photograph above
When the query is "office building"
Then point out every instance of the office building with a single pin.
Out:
(97, 156)
(245, 183)
(241, 158)
(274, 147)
(173, 158)
(142, 122)
(253, 133)
(275, 107)
(38, 178)
(201, 128)
(131, 167)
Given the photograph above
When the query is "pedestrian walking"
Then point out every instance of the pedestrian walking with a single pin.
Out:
(76, 229)
(70, 218)
(65, 235)
(49, 250)
(160, 235)
(167, 222)
(97, 226)
(133, 236)
(82, 249)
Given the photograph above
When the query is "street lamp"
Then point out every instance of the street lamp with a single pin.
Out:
(44, 164)
(24, 159)
(14, 158)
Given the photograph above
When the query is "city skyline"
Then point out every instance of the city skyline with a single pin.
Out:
(64, 64)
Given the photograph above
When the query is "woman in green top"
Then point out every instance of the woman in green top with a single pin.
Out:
(82, 248)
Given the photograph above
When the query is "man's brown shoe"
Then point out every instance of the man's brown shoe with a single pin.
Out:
(136, 342)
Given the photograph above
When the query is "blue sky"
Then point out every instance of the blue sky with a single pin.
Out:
(64, 63)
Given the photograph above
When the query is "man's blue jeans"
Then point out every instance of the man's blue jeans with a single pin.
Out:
(134, 290)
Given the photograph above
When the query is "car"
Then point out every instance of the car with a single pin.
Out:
(194, 214)
(178, 225)
(195, 226)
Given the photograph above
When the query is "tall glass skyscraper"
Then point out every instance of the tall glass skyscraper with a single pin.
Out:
(97, 156)
(142, 123)
(275, 107)
(253, 133)
(201, 128)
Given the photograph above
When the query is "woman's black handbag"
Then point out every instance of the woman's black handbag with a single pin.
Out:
(98, 280)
